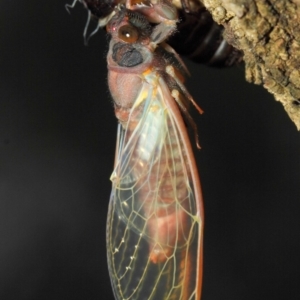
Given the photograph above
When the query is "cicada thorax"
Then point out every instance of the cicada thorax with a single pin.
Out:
(133, 51)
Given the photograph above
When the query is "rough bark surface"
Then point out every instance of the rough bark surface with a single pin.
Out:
(268, 31)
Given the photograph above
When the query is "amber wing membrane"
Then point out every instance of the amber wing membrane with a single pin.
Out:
(154, 229)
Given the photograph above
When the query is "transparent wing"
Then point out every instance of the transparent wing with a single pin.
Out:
(154, 230)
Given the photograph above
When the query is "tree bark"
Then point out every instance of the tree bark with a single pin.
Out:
(268, 32)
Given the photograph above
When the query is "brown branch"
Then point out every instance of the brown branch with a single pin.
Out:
(268, 31)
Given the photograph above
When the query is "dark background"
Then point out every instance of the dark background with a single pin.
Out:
(57, 142)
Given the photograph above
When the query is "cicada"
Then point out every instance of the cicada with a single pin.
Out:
(155, 218)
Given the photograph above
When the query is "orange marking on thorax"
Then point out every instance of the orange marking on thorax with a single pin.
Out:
(147, 72)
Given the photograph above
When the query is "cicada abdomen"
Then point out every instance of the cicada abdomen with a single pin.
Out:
(155, 219)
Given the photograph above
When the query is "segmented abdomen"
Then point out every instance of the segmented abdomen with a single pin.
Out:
(163, 192)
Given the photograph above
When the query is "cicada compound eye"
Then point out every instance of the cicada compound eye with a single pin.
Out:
(128, 34)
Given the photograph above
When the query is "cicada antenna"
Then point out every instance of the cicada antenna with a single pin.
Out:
(101, 23)
(86, 29)
(68, 6)
(85, 37)
(86, 41)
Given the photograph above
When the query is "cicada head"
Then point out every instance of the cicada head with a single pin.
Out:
(129, 27)
(130, 44)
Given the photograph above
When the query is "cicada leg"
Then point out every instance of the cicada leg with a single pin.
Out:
(171, 71)
(161, 12)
